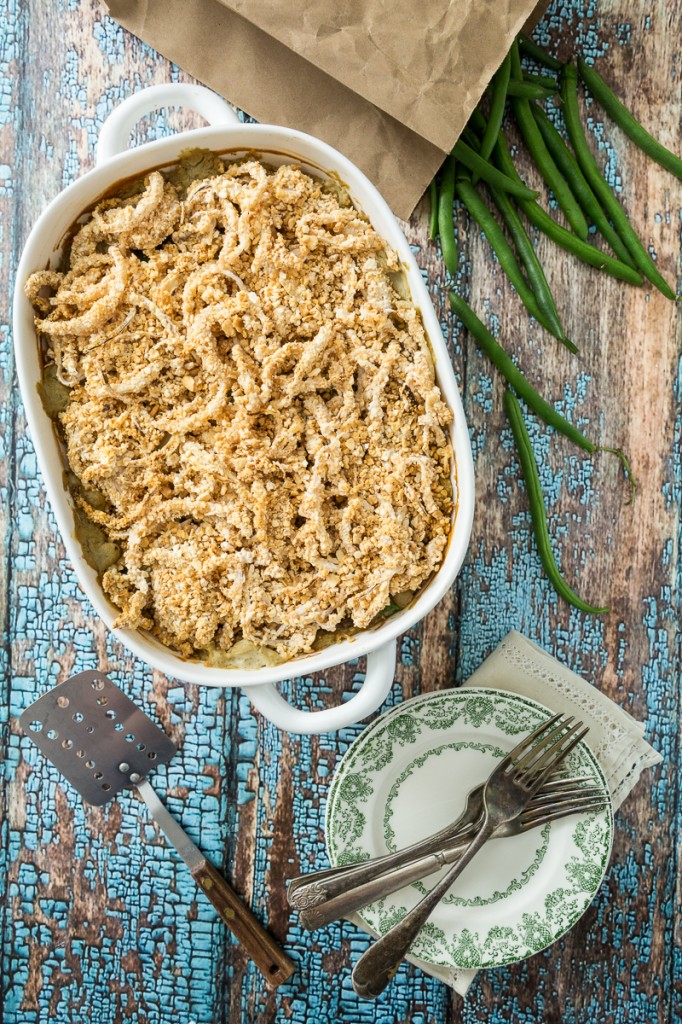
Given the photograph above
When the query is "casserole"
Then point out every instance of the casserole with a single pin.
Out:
(43, 248)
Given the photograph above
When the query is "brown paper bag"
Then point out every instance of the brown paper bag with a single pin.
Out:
(424, 62)
(389, 84)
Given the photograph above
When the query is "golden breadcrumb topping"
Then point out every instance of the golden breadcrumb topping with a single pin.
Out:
(252, 411)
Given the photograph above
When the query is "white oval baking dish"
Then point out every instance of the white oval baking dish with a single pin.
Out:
(276, 145)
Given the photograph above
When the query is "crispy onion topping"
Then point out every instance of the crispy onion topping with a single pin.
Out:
(255, 406)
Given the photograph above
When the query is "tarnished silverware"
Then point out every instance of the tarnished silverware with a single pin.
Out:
(305, 890)
(506, 795)
(335, 880)
(311, 889)
(317, 914)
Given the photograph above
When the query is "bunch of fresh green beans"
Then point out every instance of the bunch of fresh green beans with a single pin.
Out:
(481, 160)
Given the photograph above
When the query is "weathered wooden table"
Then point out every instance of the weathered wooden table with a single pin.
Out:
(101, 922)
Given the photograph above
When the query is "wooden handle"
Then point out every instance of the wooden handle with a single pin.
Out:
(261, 947)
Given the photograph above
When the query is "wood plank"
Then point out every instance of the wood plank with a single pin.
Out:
(625, 556)
(152, 950)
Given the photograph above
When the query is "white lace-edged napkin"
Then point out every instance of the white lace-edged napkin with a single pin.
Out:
(520, 666)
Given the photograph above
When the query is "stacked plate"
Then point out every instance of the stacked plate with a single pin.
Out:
(408, 775)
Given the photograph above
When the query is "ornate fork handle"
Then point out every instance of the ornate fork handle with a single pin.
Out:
(320, 910)
(506, 794)
(336, 892)
(376, 967)
(309, 890)
(308, 897)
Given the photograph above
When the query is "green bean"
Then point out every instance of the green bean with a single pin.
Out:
(624, 119)
(576, 133)
(505, 254)
(446, 227)
(513, 375)
(433, 209)
(526, 251)
(529, 468)
(546, 166)
(566, 239)
(497, 103)
(546, 81)
(469, 157)
(471, 138)
(532, 49)
(543, 222)
(583, 250)
(477, 122)
(570, 168)
(527, 90)
(390, 609)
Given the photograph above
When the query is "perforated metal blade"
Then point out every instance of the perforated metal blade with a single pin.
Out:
(97, 737)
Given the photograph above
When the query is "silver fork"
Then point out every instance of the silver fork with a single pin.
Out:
(555, 800)
(313, 888)
(335, 880)
(320, 909)
(331, 881)
(506, 794)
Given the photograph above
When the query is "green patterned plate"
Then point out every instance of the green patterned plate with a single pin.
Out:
(408, 775)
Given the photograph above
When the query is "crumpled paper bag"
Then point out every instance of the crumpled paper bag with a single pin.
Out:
(391, 85)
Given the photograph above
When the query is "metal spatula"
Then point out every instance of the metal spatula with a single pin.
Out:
(102, 743)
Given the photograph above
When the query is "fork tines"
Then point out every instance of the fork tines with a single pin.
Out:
(542, 750)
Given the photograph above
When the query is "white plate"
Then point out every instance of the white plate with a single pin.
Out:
(408, 775)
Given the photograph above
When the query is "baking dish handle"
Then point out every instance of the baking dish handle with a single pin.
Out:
(115, 134)
(379, 677)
